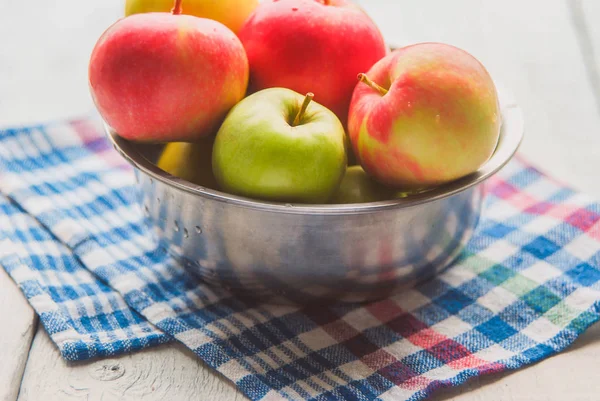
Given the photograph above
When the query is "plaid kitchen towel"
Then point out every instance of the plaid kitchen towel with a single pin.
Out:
(73, 238)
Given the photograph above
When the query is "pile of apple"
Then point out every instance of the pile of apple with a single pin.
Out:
(292, 100)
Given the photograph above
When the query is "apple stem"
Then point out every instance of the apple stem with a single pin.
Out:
(363, 78)
(177, 7)
(309, 97)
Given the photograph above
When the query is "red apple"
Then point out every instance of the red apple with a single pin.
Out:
(160, 77)
(311, 46)
(190, 161)
(424, 115)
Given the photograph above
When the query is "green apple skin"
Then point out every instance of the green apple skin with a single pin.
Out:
(259, 154)
(190, 161)
(358, 187)
(352, 160)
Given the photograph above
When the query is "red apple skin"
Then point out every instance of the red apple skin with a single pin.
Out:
(439, 121)
(158, 77)
(307, 46)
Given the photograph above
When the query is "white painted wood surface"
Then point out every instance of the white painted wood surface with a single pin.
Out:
(43, 68)
(18, 327)
(544, 51)
(585, 15)
(162, 373)
(570, 376)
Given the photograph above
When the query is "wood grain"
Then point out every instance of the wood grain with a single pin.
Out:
(533, 48)
(44, 68)
(162, 373)
(572, 376)
(585, 14)
(19, 324)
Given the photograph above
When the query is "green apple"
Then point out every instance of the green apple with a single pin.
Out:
(277, 145)
(189, 161)
(358, 187)
(352, 160)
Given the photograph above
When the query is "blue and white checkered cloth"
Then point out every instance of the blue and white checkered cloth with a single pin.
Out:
(73, 239)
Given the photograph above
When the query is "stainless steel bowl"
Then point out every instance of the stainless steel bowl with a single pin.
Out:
(303, 253)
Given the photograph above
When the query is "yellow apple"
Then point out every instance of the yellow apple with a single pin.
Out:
(231, 13)
(358, 187)
(190, 161)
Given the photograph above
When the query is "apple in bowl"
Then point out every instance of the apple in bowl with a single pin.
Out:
(358, 187)
(167, 77)
(424, 115)
(278, 145)
(189, 161)
(311, 46)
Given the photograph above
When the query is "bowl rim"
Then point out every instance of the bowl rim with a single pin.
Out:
(511, 136)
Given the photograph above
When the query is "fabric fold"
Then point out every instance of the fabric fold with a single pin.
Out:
(84, 317)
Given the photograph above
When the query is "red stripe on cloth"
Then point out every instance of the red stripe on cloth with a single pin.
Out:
(594, 231)
(540, 208)
(449, 351)
(379, 358)
(427, 338)
(398, 373)
(95, 140)
(503, 189)
(562, 211)
(354, 341)
(523, 200)
(407, 325)
(467, 362)
(415, 383)
(87, 130)
(385, 310)
(493, 367)
(583, 219)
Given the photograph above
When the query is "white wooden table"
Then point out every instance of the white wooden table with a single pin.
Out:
(546, 51)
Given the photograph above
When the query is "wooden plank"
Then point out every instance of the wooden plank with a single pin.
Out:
(162, 373)
(531, 47)
(554, 379)
(19, 323)
(45, 67)
(585, 14)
